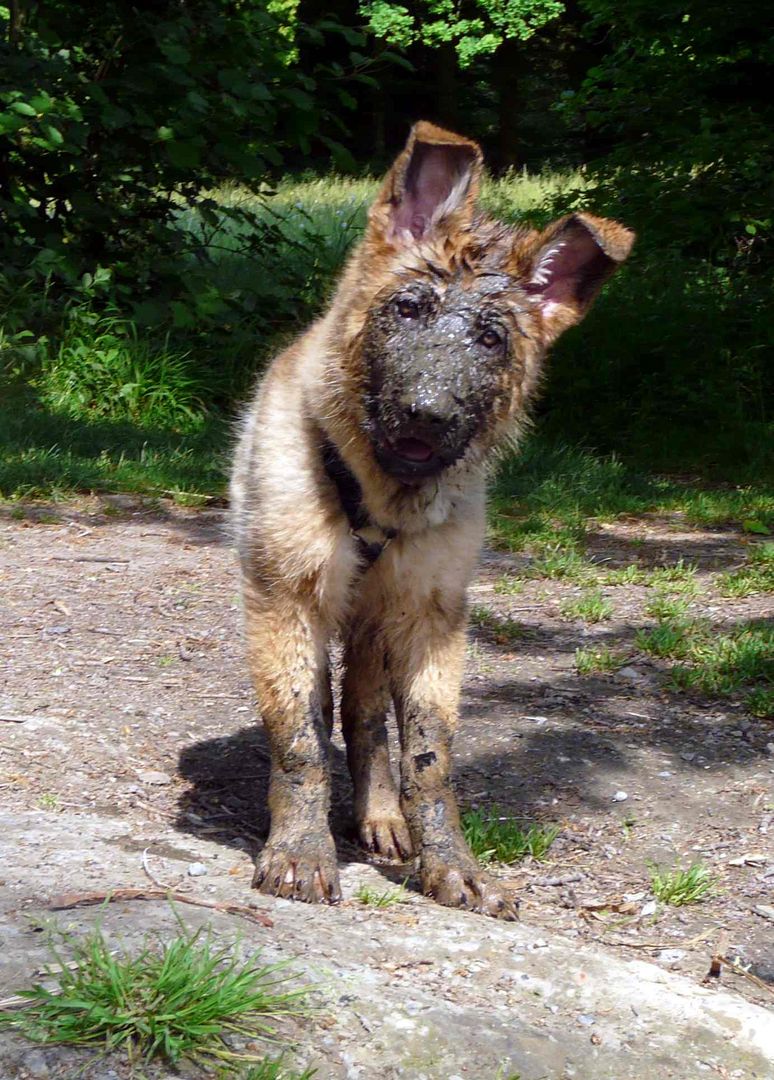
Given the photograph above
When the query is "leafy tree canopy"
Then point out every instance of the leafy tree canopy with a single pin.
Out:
(475, 28)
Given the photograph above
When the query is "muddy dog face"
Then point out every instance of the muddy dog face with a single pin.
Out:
(454, 311)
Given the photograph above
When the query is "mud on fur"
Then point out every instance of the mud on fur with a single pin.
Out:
(358, 497)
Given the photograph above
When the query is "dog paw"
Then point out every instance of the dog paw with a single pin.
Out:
(387, 836)
(469, 888)
(310, 875)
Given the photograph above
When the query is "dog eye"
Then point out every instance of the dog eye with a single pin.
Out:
(491, 339)
(407, 309)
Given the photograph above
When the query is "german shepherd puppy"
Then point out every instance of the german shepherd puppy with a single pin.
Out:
(358, 506)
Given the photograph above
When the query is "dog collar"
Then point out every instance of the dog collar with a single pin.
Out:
(371, 538)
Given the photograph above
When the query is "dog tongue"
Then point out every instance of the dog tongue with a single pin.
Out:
(413, 450)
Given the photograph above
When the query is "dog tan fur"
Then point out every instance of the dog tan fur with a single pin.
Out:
(402, 618)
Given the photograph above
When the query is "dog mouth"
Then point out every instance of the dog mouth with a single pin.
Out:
(409, 459)
(412, 451)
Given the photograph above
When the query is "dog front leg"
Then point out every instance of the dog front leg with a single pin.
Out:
(427, 676)
(288, 663)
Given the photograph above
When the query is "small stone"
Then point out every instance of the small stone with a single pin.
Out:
(586, 1020)
(649, 908)
(770, 749)
(765, 911)
(35, 1064)
(197, 869)
(665, 774)
(620, 796)
(671, 956)
(152, 776)
(630, 673)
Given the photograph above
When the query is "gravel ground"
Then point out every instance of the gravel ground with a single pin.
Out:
(127, 725)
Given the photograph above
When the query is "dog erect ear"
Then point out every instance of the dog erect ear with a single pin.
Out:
(570, 262)
(433, 182)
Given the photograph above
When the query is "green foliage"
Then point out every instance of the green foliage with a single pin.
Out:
(679, 887)
(114, 120)
(103, 369)
(174, 1000)
(475, 28)
(495, 838)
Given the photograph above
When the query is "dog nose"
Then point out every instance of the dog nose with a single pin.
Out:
(432, 416)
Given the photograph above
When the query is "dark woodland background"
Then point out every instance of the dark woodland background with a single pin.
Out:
(180, 182)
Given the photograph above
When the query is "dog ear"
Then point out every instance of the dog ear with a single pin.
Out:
(569, 263)
(433, 184)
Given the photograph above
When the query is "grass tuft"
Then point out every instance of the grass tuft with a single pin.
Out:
(383, 898)
(502, 630)
(667, 608)
(756, 576)
(679, 887)
(723, 663)
(760, 702)
(591, 606)
(668, 640)
(270, 1070)
(558, 563)
(593, 661)
(175, 1000)
(626, 575)
(494, 838)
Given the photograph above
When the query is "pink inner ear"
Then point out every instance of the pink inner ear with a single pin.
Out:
(436, 175)
(568, 270)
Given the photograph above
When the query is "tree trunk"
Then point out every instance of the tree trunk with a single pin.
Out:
(507, 76)
(445, 64)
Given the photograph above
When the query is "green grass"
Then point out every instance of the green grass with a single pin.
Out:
(543, 498)
(562, 563)
(626, 575)
(268, 1070)
(760, 702)
(677, 577)
(722, 663)
(381, 898)
(173, 1000)
(601, 660)
(665, 607)
(715, 662)
(679, 887)
(509, 585)
(49, 455)
(500, 628)
(667, 640)
(495, 838)
(591, 607)
(756, 576)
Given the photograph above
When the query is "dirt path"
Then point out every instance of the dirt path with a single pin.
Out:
(126, 725)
